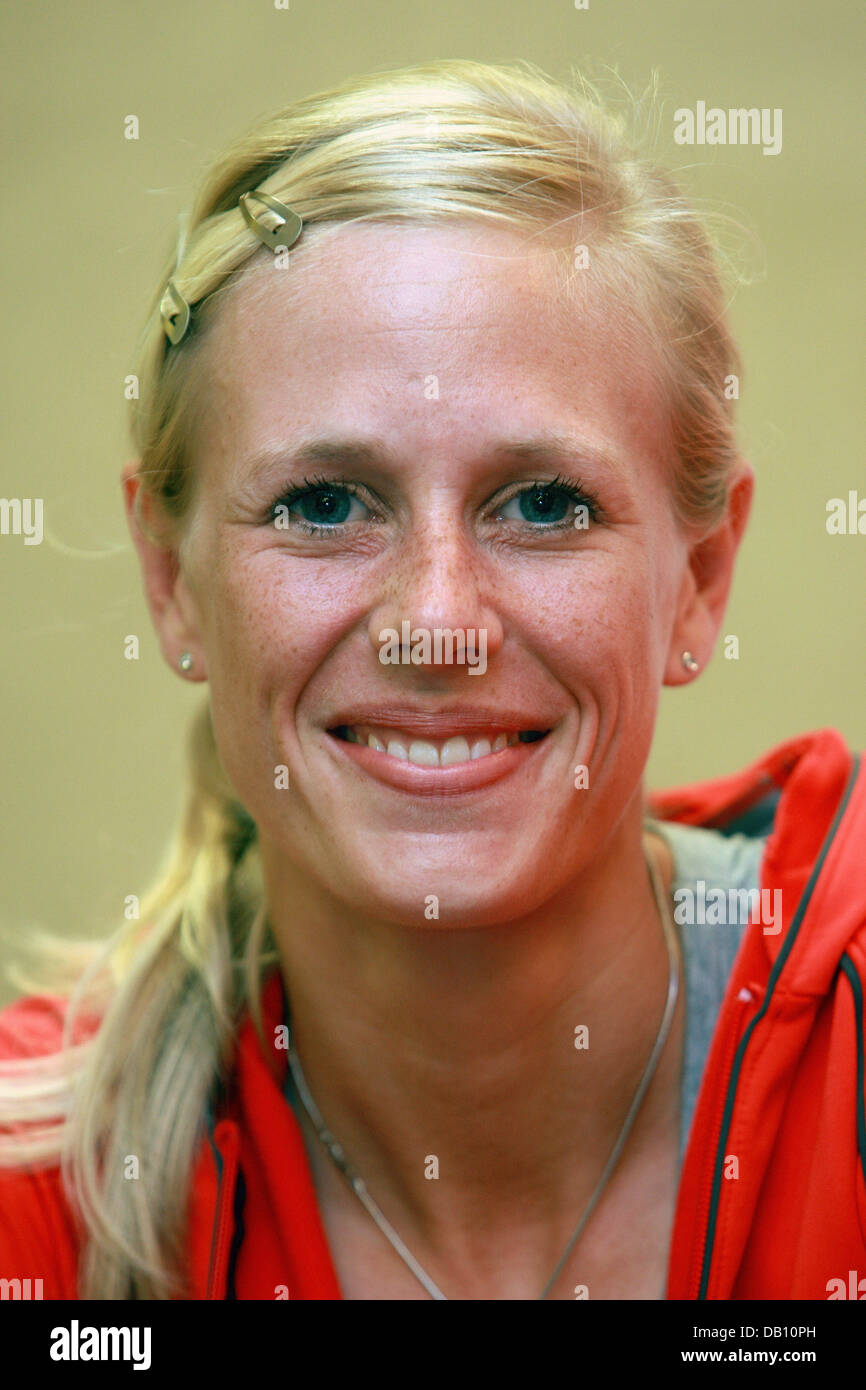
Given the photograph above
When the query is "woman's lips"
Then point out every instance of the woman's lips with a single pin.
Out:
(481, 770)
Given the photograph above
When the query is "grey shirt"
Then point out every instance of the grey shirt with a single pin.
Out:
(722, 862)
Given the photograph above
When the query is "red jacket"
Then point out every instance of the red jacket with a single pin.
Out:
(783, 1089)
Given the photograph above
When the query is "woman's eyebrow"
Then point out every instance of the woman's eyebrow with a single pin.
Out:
(566, 449)
(319, 449)
(375, 453)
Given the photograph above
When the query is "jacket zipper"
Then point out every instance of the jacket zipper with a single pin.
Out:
(224, 1223)
(706, 1194)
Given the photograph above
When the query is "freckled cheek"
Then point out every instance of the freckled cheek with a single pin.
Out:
(603, 621)
(271, 632)
(602, 646)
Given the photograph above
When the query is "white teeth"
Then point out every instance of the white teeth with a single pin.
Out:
(424, 754)
(455, 750)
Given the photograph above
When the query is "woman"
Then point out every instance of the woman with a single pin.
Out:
(436, 485)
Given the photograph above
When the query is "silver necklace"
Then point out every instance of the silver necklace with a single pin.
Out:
(359, 1187)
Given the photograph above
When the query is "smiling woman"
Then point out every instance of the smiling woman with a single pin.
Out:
(441, 368)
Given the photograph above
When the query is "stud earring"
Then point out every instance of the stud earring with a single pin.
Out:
(185, 662)
(689, 661)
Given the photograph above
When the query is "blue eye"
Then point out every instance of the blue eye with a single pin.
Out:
(552, 505)
(315, 506)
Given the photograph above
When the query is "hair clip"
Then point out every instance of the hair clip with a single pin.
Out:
(174, 312)
(274, 224)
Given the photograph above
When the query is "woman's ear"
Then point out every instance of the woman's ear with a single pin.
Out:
(172, 608)
(707, 582)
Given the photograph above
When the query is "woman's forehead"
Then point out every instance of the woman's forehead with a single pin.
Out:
(401, 278)
(394, 322)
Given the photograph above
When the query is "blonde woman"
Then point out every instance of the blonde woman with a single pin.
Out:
(436, 485)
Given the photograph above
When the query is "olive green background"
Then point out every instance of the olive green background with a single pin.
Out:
(93, 744)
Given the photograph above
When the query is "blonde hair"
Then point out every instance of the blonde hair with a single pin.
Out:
(446, 141)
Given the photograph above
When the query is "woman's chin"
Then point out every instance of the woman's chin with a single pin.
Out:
(448, 897)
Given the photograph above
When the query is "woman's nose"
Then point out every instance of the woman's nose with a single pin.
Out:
(436, 607)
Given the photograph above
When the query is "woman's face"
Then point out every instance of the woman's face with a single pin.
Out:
(428, 381)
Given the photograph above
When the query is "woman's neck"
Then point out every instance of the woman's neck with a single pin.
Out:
(509, 1055)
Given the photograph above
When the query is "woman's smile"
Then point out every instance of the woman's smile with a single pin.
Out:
(426, 766)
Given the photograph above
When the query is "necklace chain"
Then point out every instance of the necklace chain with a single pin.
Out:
(359, 1187)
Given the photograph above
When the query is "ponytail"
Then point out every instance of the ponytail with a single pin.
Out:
(139, 1091)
